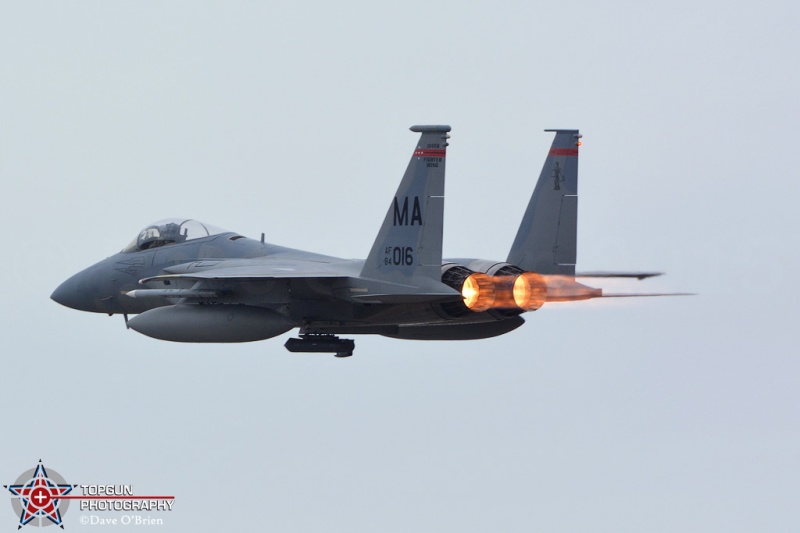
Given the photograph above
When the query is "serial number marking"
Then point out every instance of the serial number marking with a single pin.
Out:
(398, 256)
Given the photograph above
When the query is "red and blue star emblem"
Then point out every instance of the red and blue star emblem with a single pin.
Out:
(39, 495)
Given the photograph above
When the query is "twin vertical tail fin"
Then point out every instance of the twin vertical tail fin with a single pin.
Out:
(409, 243)
(546, 241)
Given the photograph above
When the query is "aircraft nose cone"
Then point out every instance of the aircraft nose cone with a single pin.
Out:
(69, 295)
(96, 290)
(87, 290)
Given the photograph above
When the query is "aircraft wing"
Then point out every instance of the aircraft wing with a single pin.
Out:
(215, 279)
(256, 269)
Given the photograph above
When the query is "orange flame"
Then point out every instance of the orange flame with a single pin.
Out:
(478, 292)
(530, 291)
(566, 289)
(504, 292)
(527, 292)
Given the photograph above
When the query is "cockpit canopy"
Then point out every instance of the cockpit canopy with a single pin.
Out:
(171, 231)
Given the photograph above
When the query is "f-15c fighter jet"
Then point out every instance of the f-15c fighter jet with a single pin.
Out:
(190, 282)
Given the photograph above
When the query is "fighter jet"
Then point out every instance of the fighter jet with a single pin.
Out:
(191, 282)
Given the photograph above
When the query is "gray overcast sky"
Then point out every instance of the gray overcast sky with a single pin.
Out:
(671, 414)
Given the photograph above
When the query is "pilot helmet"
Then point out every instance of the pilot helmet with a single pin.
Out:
(148, 236)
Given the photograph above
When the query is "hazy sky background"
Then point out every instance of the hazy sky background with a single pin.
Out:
(670, 414)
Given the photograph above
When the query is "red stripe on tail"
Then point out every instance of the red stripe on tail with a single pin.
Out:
(563, 151)
(428, 152)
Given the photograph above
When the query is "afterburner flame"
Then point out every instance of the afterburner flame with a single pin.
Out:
(504, 292)
(566, 289)
(478, 292)
(526, 291)
(530, 291)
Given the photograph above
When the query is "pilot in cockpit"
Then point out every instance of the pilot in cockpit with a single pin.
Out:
(155, 236)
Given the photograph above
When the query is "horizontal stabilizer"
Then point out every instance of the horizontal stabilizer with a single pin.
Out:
(646, 294)
(637, 275)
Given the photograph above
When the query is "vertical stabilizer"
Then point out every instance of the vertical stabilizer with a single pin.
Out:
(409, 244)
(546, 239)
